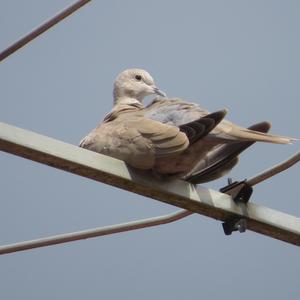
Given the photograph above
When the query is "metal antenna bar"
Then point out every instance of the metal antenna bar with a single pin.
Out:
(42, 28)
(144, 223)
(179, 193)
(90, 233)
(274, 170)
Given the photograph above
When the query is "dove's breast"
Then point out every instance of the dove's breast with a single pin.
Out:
(122, 142)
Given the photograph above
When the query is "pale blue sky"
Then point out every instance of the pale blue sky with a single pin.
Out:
(243, 55)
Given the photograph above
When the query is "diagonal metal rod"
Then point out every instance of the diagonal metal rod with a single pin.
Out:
(90, 233)
(274, 170)
(42, 28)
(100, 231)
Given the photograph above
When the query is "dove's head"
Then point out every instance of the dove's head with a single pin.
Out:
(135, 84)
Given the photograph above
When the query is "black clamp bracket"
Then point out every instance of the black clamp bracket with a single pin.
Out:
(240, 191)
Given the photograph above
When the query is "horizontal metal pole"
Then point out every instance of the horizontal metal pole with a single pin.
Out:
(42, 28)
(108, 170)
(90, 233)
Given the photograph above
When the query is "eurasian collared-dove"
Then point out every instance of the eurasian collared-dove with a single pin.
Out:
(143, 143)
(170, 136)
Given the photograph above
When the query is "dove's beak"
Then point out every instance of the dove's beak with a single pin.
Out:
(157, 91)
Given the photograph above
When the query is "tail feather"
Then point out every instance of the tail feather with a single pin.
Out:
(256, 136)
(223, 159)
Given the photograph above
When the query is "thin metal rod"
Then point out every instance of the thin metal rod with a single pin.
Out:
(42, 28)
(90, 233)
(274, 170)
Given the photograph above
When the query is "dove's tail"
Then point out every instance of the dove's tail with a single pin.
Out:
(221, 160)
(245, 134)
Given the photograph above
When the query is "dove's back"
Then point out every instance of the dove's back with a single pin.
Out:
(174, 111)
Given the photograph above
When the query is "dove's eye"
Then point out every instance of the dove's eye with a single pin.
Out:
(138, 77)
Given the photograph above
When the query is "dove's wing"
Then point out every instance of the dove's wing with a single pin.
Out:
(199, 128)
(162, 139)
(165, 140)
(136, 140)
(177, 112)
(139, 141)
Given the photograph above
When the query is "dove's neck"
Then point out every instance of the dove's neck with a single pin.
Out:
(123, 105)
(127, 102)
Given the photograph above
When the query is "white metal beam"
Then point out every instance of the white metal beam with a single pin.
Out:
(111, 171)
